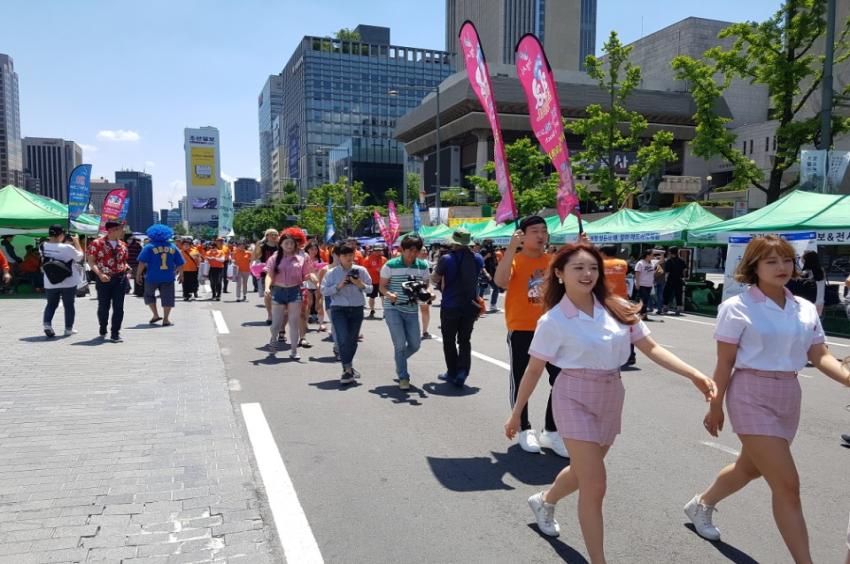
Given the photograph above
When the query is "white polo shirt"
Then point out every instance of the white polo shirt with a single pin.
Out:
(769, 337)
(569, 338)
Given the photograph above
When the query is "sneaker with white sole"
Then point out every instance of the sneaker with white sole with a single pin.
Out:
(69, 332)
(404, 383)
(528, 441)
(48, 331)
(544, 513)
(700, 515)
(553, 441)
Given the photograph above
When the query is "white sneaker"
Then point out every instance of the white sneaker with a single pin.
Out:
(69, 332)
(700, 516)
(528, 441)
(544, 513)
(553, 441)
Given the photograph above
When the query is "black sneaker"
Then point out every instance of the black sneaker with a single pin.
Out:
(355, 372)
(116, 338)
(845, 438)
(426, 335)
(347, 378)
(49, 332)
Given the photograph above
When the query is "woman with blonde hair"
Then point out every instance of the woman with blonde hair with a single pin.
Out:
(586, 332)
(764, 337)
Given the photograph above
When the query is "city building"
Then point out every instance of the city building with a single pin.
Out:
(269, 104)
(336, 92)
(174, 217)
(11, 153)
(140, 214)
(163, 216)
(203, 175)
(567, 28)
(467, 143)
(50, 161)
(100, 187)
(248, 190)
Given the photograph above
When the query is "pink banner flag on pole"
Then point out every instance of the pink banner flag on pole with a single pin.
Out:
(394, 223)
(479, 79)
(113, 203)
(385, 232)
(544, 112)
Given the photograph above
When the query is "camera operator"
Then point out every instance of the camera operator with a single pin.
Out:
(457, 277)
(346, 285)
(404, 283)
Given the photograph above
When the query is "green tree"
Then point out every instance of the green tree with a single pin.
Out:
(346, 34)
(778, 54)
(391, 194)
(252, 222)
(414, 182)
(534, 187)
(313, 216)
(180, 229)
(609, 132)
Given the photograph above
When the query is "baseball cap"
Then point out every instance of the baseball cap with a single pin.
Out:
(55, 230)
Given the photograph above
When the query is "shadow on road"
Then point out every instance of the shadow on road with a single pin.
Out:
(727, 550)
(565, 551)
(254, 324)
(271, 360)
(36, 339)
(450, 390)
(398, 395)
(324, 359)
(487, 473)
(93, 342)
(334, 385)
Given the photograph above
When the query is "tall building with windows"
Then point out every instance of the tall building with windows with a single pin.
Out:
(51, 161)
(140, 214)
(269, 104)
(351, 92)
(567, 28)
(247, 190)
(203, 175)
(11, 153)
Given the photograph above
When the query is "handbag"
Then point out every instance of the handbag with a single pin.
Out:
(232, 271)
(204, 269)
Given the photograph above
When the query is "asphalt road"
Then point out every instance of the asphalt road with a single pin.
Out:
(428, 476)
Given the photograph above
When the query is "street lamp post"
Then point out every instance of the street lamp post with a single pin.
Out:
(394, 92)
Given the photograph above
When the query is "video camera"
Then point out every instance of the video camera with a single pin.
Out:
(416, 290)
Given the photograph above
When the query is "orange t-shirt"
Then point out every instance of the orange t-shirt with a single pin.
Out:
(373, 265)
(615, 275)
(242, 260)
(325, 254)
(189, 257)
(31, 264)
(216, 258)
(524, 297)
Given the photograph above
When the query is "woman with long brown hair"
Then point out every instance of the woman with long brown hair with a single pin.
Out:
(764, 338)
(586, 332)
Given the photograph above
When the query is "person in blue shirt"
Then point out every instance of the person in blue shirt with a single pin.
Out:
(159, 262)
(457, 277)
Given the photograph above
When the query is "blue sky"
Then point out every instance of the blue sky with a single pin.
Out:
(124, 78)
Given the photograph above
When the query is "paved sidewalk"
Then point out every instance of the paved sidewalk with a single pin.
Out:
(124, 452)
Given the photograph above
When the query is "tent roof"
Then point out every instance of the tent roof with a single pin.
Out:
(634, 226)
(25, 212)
(798, 211)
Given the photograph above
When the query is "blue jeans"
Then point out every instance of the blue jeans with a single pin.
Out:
(404, 332)
(659, 296)
(346, 322)
(67, 295)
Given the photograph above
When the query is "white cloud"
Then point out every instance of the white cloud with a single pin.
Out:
(118, 135)
(177, 186)
(150, 164)
(227, 177)
(88, 148)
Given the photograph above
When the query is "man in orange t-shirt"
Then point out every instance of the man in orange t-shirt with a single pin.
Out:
(373, 264)
(191, 259)
(616, 270)
(521, 273)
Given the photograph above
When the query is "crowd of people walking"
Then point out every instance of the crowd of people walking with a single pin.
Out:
(567, 312)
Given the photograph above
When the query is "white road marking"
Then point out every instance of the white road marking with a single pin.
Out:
(234, 385)
(299, 544)
(718, 446)
(220, 325)
(830, 343)
(484, 357)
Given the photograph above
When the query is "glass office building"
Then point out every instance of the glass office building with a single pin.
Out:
(341, 100)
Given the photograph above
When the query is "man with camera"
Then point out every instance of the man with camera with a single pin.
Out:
(346, 286)
(404, 283)
(457, 277)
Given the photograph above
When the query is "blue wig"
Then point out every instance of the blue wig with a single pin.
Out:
(159, 233)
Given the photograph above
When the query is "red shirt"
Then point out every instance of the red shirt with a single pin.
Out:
(4, 264)
(110, 260)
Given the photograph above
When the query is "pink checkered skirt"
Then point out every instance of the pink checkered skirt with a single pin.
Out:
(588, 404)
(762, 402)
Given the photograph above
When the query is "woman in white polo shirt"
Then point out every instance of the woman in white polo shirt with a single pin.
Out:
(586, 331)
(765, 335)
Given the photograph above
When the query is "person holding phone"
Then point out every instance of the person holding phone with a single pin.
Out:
(56, 249)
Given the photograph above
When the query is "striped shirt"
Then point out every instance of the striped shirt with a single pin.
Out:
(398, 273)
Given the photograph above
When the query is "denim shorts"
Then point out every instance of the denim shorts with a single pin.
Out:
(286, 295)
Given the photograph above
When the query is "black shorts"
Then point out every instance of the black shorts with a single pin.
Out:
(376, 292)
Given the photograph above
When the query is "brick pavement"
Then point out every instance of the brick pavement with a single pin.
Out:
(123, 452)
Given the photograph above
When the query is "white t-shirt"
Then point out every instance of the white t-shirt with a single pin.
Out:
(569, 338)
(645, 273)
(63, 252)
(769, 337)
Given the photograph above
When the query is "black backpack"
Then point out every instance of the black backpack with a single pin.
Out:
(56, 270)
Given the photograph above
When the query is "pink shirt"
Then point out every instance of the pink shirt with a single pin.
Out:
(290, 272)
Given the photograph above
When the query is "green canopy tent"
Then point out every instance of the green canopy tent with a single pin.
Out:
(25, 213)
(432, 234)
(478, 227)
(667, 227)
(828, 215)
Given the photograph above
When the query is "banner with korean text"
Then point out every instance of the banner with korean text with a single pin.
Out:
(113, 205)
(479, 78)
(544, 112)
